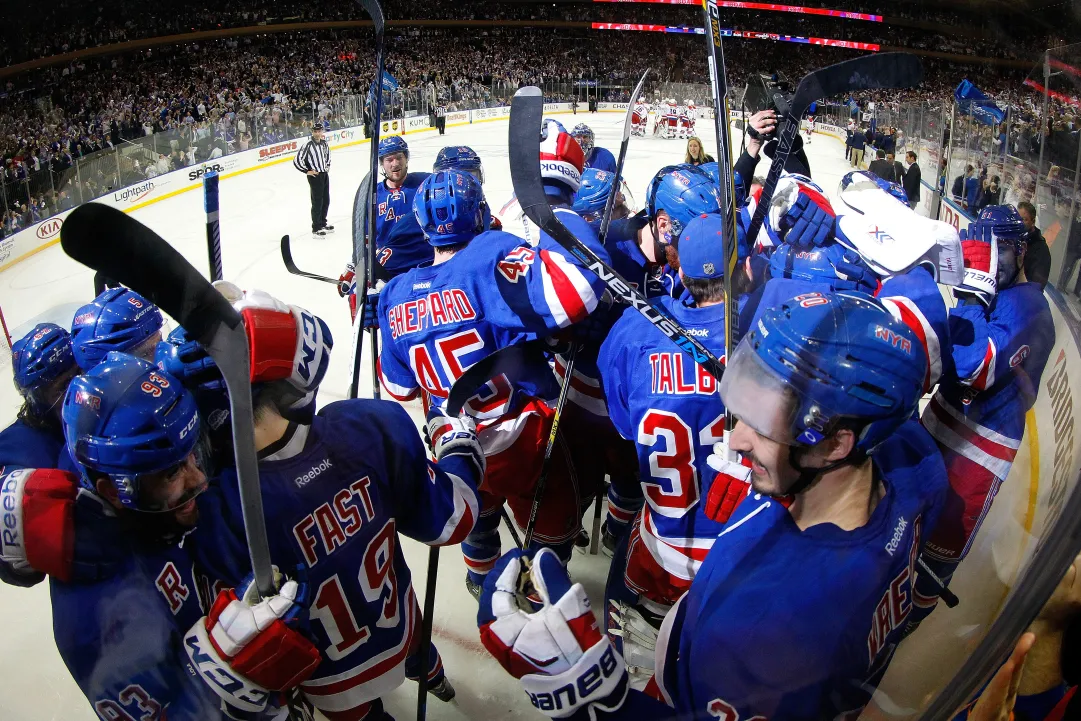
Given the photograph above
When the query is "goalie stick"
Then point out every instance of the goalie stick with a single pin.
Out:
(375, 11)
(526, 112)
(610, 204)
(881, 70)
(287, 258)
(107, 240)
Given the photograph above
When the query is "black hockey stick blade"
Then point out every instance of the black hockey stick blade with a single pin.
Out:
(610, 204)
(113, 243)
(512, 361)
(868, 72)
(526, 112)
(287, 258)
(375, 12)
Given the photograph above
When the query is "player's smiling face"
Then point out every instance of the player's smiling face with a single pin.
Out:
(771, 473)
(174, 491)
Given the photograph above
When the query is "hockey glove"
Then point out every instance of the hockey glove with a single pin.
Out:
(454, 437)
(51, 528)
(800, 213)
(730, 486)
(981, 267)
(187, 361)
(371, 305)
(246, 647)
(347, 283)
(556, 649)
(285, 342)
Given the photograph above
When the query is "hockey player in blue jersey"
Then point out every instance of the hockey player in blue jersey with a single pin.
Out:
(43, 365)
(133, 429)
(118, 320)
(661, 400)
(394, 201)
(803, 597)
(1001, 334)
(337, 491)
(485, 291)
(594, 155)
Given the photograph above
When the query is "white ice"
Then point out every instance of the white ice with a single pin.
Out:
(257, 208)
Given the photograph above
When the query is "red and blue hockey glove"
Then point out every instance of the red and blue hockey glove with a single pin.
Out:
(49, 527)
(246, 647)
(371, 306)
(347, 283)
(454, 437)
(731, 484)
(563, 660)
(800, 213)
(981, 265)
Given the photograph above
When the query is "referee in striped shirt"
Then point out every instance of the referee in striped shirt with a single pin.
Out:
(313, 159)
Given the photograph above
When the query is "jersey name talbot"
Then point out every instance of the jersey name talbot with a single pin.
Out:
(435, 309)
(677, 374)
(332, 524)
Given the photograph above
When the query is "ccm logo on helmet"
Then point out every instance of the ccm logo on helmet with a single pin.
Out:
(190, 427)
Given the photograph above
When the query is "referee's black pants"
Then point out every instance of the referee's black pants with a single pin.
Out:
(320, 187)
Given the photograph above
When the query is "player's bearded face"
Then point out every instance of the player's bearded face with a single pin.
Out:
(174, 491)
(771, 473)
(395, 167)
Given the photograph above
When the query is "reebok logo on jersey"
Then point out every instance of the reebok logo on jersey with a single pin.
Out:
(698, 332)
(422, 286)
(898, 534)
(312, 474)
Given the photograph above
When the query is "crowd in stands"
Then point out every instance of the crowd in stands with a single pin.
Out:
(199, 101)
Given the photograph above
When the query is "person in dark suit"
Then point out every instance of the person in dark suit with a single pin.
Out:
(882, 167)
(1038, 255)
(911, 181)
(898, 168)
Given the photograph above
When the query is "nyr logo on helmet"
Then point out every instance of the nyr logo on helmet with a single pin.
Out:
(83, 398)
(897, 341)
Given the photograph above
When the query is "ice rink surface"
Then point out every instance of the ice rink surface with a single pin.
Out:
(257, 208)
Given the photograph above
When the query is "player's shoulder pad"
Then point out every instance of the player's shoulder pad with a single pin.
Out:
(413, 180)
(366, 416)
(911, 455)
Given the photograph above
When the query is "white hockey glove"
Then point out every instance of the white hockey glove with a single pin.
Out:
(731, 484)
(564, 661)
(245, 647)
(448, 436)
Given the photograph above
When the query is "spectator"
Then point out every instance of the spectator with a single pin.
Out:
(695, 154)
(972, 190)
(882, 167)
(957, 192)
(898, 168)
(911, 181)
(1038, 255)
(859, 142)
(848, 142)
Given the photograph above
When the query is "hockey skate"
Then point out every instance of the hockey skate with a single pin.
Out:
(473, 588)
(442, 690)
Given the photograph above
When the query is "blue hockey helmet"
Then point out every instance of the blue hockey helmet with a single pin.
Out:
(450, 208)
(841, 268)
(682, 192)
(714, 171)
(857, 180)
(39, 358)
(117, 320)
(820, 361)
(585, 137)
(1003, 225)
(593, 193)
(391, 145)
(459, 157)
(126, 418)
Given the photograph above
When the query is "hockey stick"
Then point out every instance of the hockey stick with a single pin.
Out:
(882, 70)
(213, 228)
(287, 258)
(726, 183)
(525, 121)
(546, 464)
(948, 597)
(610, 204)
(375, 11)
(510, 361)
(109, 241)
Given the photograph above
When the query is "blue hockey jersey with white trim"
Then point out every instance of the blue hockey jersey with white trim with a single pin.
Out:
(23, 446)
(795, 625)
(122, 638)
(601, 159)
(336, 495)
(669, 406)
(439, 320)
